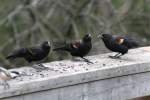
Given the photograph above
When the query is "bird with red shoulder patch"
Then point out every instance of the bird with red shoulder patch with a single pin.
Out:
(120, 44)
(78, 48)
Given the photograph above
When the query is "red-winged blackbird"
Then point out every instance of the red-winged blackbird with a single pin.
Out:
(32, 54)
(7, 75)
(78, 48)
(120, 44)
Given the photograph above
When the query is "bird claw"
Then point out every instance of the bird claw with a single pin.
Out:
(114, 57)
(40, 67)
(88, 62)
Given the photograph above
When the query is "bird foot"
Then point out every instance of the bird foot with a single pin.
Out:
(40, 67)
(88, 62)
(114, 57)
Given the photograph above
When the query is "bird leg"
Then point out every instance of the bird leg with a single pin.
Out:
(86, 60)
(119, 56)
(40, 67)
(116, 56)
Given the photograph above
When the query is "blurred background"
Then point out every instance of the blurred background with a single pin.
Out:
(25, 23)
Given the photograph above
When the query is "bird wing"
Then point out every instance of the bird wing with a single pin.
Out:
(34, 51)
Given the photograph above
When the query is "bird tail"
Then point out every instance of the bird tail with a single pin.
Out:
(11, 57)
(133, 44)
(14, 74)
(60, 48)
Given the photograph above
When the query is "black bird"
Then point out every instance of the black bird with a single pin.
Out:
(32, 54)
(120, 44)
(78, 48)
(6, 75)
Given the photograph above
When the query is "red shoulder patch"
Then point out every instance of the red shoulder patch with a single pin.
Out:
(119, 40)
(76, 44)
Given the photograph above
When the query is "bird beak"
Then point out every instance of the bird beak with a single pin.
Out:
(89, 35)
(49, 43)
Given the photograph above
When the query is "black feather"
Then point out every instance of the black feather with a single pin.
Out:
(110, 42)
(78, 48)
(31, 54)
